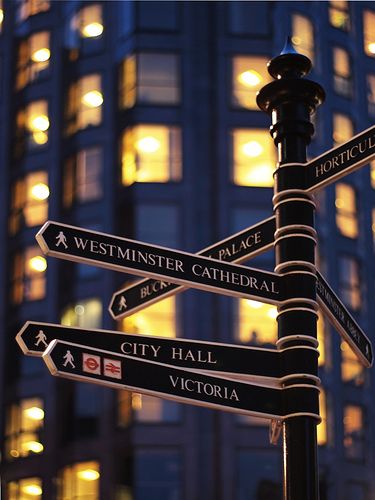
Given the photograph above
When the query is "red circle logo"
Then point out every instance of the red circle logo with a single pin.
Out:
(91, 363)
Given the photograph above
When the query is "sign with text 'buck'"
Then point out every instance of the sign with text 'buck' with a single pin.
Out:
(237, 248)
(238, 361)
(107, 368)
(341, 160)
(130, 256)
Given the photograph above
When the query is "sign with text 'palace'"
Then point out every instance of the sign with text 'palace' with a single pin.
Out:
(343, 321)
(107, 368)
(341, 160)
(238, 361)
(130, 256)
(236, 248)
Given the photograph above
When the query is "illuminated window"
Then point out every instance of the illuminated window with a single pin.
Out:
(151, 153)
(33, 58)
(85, 100)
(24, 424)
(29, 202)
(338, 11)
(373, 226)
(342, 128)
(86, 313)
(342, 72)
(254, 157)
(256, 323)
(303, 35)
(354, 432)
(322, 427)
(369, 32)
(28, 488)
(372, 174)
(371, 94)
(88, 22)
(349, 282)
(249, 75)
(79, 481)
(32, 126)
(27, 8)
(83, 176)
(346, 210)
(28, 275)
(150, 78)
(351, 369)
(1, 15)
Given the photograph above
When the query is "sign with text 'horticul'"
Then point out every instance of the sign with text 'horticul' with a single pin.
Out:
(130, 256)
(238, 361)
(344, 322)
(107, 368)
(341, 160)
(236, 248)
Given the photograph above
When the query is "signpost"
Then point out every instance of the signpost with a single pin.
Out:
(237, 248)
(284, 381)
(344, 322)
(130, 256)
(234, 360)
(106, 368)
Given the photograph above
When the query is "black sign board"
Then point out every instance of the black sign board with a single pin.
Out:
(236, 248)
(121, 254)
(341, 160)
(343, 321)
(110, 369)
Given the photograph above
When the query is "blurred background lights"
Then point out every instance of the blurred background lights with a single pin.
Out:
(88, 474)
(252, 149)
(41, 55)
(92, 30)
(38, 263)
(254, 304)
(250, 78)
(39, 122)
(33, 446)
(40, 191)
(93, 99)
(32, 490)
(34, 413)
(148, 144)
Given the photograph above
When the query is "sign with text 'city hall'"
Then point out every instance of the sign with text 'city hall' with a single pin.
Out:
(237, 248)
(341, 160)
(238, 361)
(107, 368)
(130, 256)
(344, 322)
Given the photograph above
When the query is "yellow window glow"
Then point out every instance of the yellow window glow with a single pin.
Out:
(369, 32)
(342, 128)
(147, 144)
(88, 474)
(351, 369)
(90, 21)
(303, 35)
(346, 210)
(34, 412)
(41, 55)
(93, 99)
(32, 490)
(33, 446)
(39, 191)
(256, 322)
(39, 123)
(249, 74)
(322, 426)
(254, 157)
(321, 339)
(38, 264)
(92, 30)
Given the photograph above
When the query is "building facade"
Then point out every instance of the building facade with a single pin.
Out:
(139, 119)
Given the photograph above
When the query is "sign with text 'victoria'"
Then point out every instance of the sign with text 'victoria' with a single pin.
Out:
(107, 368)
(236, 248)
(341, 160)
(238, 361)
(344, 322)
(130, 256)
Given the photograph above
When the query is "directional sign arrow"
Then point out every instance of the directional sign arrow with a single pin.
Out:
(236, 248)
(341, 160)
(106, 368)
(343, 321)
(121, 254)
(238, 361)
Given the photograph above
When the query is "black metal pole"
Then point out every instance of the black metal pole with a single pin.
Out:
(290, 100)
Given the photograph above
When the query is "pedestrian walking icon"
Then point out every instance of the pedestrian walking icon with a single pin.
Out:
(41, 338)
(61, 240)
(122, 304)
(69, 359)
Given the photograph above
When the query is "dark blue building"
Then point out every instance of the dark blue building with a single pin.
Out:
(139, 119)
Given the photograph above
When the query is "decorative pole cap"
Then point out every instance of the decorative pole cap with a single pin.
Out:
(289, 64)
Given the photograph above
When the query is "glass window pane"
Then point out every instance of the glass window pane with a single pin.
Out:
(349, 282)
(157, 79)
(339, 14)
(265, 478)
(303, 35)
(371, 94)
(79, 481)
(354, 432)
(322, 427)
(256, 323)
(151, 153)
(343, 129)
(346, 210)
(342, 72)
(254, 157)
(84, 106)
(29, 488)
(85, 314)
(351, 369)
(369, 32)
(249, 75)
